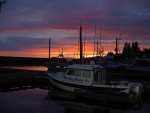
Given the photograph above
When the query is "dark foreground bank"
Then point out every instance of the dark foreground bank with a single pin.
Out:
(22, 61)
(20, 78)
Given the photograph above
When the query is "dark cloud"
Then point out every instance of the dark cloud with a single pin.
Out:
(17, 43)
(72, 12)
(130, 17)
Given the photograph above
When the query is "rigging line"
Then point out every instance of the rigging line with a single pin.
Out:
(78, 50)
(119, 41)
(100, 43)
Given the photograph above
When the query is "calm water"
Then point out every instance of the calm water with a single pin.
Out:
(35, 101)
(27, 101)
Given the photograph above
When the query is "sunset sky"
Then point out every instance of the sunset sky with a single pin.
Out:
(27, 25)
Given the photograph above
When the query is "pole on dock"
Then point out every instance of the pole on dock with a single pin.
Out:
(117, 49)
(49, 48)
(81, 44)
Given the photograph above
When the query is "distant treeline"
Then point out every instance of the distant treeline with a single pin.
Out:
(22, 61)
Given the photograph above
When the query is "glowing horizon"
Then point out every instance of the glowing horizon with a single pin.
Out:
(68, 52)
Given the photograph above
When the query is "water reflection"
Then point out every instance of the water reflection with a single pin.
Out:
(78, 105)
(47, 100)
(36, 68)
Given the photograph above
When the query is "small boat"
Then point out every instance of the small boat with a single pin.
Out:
(74, 76)
(95, 77)
(138, 72)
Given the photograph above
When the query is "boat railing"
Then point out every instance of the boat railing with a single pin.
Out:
(61, 73)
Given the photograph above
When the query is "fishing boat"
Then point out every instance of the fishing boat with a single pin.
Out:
(74, 76)
(77, 78)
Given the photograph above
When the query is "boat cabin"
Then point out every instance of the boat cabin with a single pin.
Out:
(86, 74)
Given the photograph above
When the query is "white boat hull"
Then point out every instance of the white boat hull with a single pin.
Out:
(58, 81)
(62, 86)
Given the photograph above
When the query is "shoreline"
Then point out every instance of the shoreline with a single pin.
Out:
(12, 78)
(22, 61)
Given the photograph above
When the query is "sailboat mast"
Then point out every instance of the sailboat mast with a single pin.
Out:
(100, 43)
(84, 41)
(80, 44)
(94, 42)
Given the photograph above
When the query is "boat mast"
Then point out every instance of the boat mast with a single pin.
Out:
(100, 43)
(94, 41)
(84, 41)
(80, 44)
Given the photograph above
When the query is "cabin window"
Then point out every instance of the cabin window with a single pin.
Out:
(60, 69)
(77, 72)
(70, 72)
(86, 73)
(74, 72)
(102, 75)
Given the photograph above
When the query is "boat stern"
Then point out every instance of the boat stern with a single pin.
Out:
(136, 91)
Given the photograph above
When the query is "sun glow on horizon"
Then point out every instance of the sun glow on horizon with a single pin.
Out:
(69, 46)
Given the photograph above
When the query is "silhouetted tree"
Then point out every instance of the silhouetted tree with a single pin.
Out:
(135, 49)
(126, 53)
(130, 52)
(1, 3)
(146, 52)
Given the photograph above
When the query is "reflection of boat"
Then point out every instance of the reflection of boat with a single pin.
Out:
(111, 96)
(81, 105)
